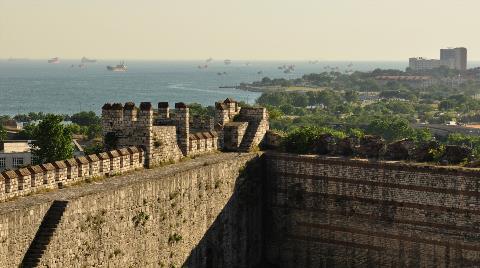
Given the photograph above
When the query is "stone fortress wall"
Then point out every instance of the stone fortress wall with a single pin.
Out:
(44, 177)
(168, 136)
(143, 139)
(234, 209)
(209, 211)
(335, 212)
(197, 213)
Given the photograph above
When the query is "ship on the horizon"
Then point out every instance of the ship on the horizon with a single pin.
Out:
(54, 60)
(122, 67)
(87, 60)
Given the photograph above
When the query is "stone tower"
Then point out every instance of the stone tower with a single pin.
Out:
(183, 126)
(163, 110)
(145, 127)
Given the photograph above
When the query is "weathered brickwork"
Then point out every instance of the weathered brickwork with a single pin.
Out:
(201, 123)
(233, 134)
(332, 212)
(204, 212)
(257, 119)
(164, 145)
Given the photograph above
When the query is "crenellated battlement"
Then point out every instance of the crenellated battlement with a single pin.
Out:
(168, 136)
(37, 178)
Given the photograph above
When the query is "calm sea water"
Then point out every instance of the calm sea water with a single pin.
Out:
(34, 85)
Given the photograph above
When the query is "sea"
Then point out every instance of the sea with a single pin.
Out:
(67, 88)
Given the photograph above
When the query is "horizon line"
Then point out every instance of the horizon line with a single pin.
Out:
(214, 60)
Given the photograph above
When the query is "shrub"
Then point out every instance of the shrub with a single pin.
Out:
(302, 140)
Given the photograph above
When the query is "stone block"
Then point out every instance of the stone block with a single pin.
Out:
(60, 171)
(24, 181)
(48, 175)
(72, 169)
(83, 167)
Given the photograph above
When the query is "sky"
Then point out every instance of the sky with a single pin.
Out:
(242, 29)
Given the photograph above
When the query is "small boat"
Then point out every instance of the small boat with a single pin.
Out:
(227, 62)
(122, 67)
(54, 60)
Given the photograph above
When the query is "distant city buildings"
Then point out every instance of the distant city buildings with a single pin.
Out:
(453, 58)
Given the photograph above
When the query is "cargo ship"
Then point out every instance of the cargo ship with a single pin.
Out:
(87, 60)
(122, 67)
(54, 60)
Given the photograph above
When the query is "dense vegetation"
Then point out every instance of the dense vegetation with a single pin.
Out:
(338, 103)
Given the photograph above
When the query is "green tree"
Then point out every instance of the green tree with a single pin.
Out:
(28, 132)
(391, 129)
(302, 140)
(94, 149)
(351, 96)
(85, 119)
(273, 112)
(3, 133)
(299, 100)
(53, 141)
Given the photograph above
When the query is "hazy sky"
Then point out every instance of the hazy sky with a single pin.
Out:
(241, 29)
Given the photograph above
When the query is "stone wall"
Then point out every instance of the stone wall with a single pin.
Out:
(202, 142)
(333, 212)
(204, 212)
(32, 179)
(201, 123)
(126, 125)
(273, 140)
(164, 145)
(258, 125)
(233, 133)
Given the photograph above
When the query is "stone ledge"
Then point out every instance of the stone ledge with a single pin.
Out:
(380, 164)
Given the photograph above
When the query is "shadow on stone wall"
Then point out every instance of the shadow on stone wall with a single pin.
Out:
(235, 237)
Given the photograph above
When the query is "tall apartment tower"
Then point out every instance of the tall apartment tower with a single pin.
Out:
(455, 58)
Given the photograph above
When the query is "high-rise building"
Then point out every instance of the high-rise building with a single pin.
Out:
(454, 58)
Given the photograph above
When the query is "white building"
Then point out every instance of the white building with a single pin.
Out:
(14, 154)
(421, 64)
(17, 153)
